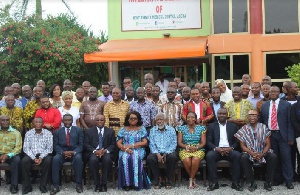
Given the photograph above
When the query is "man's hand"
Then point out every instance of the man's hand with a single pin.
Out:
(3, 158)
(290, 143)
(48, 126)
(199, 121)
(68, 154)
(37, 161)
(220, 151)
(159, 158)
(100, 153)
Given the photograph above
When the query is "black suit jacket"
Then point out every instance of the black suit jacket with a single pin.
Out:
(134, 95)
(214, 119)
(91, 141)
(213, 135)
(76, 140)
(283, 118)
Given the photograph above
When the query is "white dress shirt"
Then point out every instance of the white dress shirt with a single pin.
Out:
(223, 136)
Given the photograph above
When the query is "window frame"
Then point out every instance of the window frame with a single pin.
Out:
(229, 18)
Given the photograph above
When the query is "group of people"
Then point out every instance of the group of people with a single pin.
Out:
(251, 124)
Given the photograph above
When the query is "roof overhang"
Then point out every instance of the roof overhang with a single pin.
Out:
(148, 49)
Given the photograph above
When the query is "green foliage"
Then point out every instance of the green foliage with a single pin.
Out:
(51, 49)
(294, 73)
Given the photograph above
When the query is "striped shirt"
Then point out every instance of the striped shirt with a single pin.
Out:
(172, 111)
(38, 143)
(113, 110)
(10, 142)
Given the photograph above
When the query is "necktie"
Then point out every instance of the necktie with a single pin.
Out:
(274, 117)
(106, 99)
(68, 137)
(100, 140)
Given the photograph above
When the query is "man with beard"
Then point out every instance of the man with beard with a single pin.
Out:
(51, 116)
(163, 143)
(216, 103)
(90, 109)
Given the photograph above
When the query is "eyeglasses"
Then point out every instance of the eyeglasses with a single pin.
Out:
(132, 119)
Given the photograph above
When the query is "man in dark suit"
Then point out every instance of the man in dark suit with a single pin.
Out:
(275, 114)
(216, 103)
(222, 145)
(127, 83)
(68, 146)
(99, 146)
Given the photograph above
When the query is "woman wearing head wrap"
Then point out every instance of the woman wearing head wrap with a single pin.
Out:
(226, 94)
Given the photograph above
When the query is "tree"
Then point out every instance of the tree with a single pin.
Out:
(51, 49)
(294, 73)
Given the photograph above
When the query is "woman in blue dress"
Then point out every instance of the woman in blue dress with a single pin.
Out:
(132, 140)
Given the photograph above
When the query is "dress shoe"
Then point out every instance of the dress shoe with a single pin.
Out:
(277, 183)
(289, 185)
(14, 189)
(237, 187)
(268, 186)
(43, 189)
(79, 189)
(126, 188)
(54, 191)
(252, 187)
(27, 190)
(103, 188)
(97, 188)
(213, 186)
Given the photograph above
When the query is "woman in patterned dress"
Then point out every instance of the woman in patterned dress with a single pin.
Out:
(132, 140)
(191, 141)
(55, 96)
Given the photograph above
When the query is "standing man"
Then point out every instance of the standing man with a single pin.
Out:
(245, 91)
(10, 148)
(186, 95)
(86, 85)
(256, 94)
(42, 84)
(156, 99)
(201, 108)
(16, 91)
(246, 79)
(99, 145)
(148, 78)
(9, 90)
(27, 95)
(67, 86)
(129, 94)
(238, 108)
(106, 97)
(295, 120)
(255, 143)
(266, 80)
(90, 109)
(222, 145)
(68, 146)
(216, 104)
(145, 108)
(127, 83)
(79, 98)
(38, 147)
(172, 109)
(163, 143)
(162, 83)
(275, 114)
(265, 91)
(51, 116)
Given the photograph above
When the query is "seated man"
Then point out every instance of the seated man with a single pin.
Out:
(221, 145)
(10, 147)
(256, 146)
(100, 144)
(38, 147)
(163, 143)
(68, 146)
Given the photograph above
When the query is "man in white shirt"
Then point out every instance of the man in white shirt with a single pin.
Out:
(162, 83)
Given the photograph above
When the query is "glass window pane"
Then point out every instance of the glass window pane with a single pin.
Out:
(221, 16)
(276, 64)
(281, 16)
(239, 16)
(240, 66)
(222, 67)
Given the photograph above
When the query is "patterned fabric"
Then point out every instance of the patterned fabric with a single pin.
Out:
(147, 111)
(157, 105)
(131, 170)
(206, 112)
(10, 142)
(238, 110)
(15, 115)
(38, 143)
(29, 113)
(89, 110)
(113, 110)
(162, 141)
(18, 103)
(191, 139)
(50, 116)
(56, 104)
(255, 139)
(172, 111)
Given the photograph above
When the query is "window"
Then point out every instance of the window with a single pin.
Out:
(230, 68)
(281, 16)
(230, 16)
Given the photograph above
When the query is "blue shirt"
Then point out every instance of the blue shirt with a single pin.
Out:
(254, 100)
(18, 103)
(24, 101)
(162, 141)
(105, 99)
(216, 107)
(147, 111)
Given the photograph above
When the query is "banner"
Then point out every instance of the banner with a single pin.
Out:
(143, 15)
